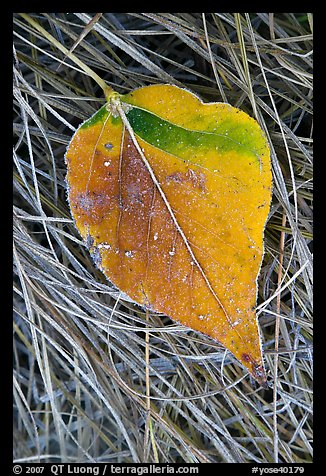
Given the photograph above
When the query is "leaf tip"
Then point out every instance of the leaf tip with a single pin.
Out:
(256, 369)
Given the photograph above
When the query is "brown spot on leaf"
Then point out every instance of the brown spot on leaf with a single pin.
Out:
(93, 204)
(191, 177)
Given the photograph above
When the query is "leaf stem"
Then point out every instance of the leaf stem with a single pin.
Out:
(107, 90)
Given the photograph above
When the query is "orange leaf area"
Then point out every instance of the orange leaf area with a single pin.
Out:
(176, 221)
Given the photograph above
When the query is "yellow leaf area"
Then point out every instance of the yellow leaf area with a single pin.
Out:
(176, 219)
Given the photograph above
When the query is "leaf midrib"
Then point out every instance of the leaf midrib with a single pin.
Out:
(167, 204)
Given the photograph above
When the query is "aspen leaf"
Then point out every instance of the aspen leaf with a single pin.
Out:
(171, 195)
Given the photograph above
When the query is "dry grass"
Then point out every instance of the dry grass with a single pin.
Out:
(81, 384)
